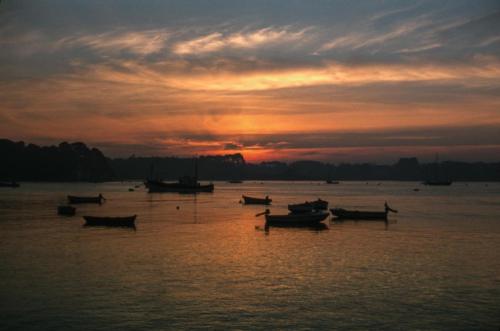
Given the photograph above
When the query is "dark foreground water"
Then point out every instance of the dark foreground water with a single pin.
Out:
(211, 265)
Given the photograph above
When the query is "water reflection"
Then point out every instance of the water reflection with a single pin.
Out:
(308, 227)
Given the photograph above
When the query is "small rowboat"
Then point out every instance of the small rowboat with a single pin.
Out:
(11, 184)
(110, 221)
(256, 201)
(74, 199)
(66, 210)
(235, 181)
(362, 215)
(308, 206)
(312, 218)
(358, 215)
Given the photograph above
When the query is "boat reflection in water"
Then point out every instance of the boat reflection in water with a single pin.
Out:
(123, 221)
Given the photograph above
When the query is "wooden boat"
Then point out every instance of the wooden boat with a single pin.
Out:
(293, 219)
(9, 184)
(437, 179)
(66, 210)
(308, 206)
(75, 199)
(110, 221)
(345, 214)
(256, 201)
(438, 182)
(235, 181)
(184, 185)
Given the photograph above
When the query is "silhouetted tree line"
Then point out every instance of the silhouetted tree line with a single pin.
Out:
(77, 162)
(66, 162)
(233, 166)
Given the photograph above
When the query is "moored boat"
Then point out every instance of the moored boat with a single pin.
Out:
(110, 221)
(438, 182)
(308, 206)
(329, 181)
(256, 201)
(294, 219)
(80, 199)
(9, 184)
(66, 210)
(184, 185)
(345, 214)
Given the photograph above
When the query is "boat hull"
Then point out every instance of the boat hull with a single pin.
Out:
(12, 185)
(296, 219)
(127, 221)
(161, 187)
(438, 183)
(256, 201)
(344, 214)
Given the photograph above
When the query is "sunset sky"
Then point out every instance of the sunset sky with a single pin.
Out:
(339, 81)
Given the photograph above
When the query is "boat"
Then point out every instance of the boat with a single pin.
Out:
(110, 221)
(345, 214)
(308, 206)
(437, 179)
(294, 219)
(438, 182)
(235, 181)
(329, 181)
(9, 184)
(256, 201)
(185, 184)
(66, 210)
(76, 199)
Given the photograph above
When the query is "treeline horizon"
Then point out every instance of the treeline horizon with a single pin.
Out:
(77, 162)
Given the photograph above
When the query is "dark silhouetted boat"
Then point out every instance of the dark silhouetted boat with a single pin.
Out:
(9, 184)
(329, 181)
(185, 184)
(66, 210)
(437, 180)
(128, 221)
(235, 181)
(345, 214)
(256, 201)
(296, 219)
(75, 199)
(308, 206)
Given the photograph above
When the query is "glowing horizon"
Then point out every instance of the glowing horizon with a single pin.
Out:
(335, 82)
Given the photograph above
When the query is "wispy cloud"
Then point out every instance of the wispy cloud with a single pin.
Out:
(137, 42)
(240, 40)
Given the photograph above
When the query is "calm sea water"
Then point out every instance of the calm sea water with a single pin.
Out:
(211, 265)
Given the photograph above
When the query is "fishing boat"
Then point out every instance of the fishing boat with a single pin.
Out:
(256, 201)
(185, 184)
(308, 206)
(9, 184)
(437, 179)
(438, 182)
(294, 219)
(110, 221)
(66, 210)
(345, 214)
(76, 199)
